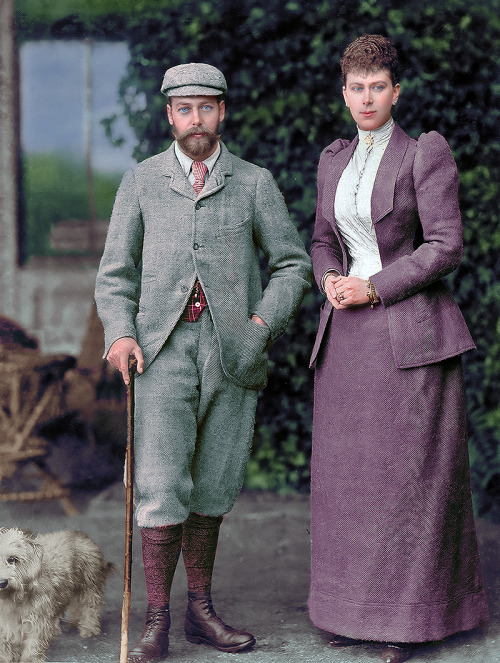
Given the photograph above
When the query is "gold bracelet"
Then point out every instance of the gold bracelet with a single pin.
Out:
(373, 298)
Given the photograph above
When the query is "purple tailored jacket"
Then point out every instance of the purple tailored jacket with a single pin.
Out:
(418, 228)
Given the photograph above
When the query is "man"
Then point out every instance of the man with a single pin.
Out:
(179, 288)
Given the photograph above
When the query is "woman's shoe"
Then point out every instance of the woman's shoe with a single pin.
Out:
(343, 641)
(396, 653)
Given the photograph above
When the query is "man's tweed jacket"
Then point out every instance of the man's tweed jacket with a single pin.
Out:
(161, 236)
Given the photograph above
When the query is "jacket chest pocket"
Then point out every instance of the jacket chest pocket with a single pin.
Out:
(234, 248)
(230, 210)
(234, 228)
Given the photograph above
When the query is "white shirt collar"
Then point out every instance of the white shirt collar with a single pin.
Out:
(380, 135)
(186, 161)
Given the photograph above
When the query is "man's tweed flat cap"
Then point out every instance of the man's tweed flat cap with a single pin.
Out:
(195, 78)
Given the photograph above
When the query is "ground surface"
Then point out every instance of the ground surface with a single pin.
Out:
(261, 583)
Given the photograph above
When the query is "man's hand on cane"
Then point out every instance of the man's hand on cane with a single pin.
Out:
(119, 353)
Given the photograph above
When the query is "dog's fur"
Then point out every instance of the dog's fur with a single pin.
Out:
(41, 577)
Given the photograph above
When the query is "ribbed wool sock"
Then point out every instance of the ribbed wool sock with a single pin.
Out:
(200, 535)
(161, 547)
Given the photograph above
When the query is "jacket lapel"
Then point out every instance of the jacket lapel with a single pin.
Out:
(336, 167)
(223, 167)
(385, 181)
(178, 180)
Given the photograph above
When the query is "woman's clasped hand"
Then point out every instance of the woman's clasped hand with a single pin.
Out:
(346, 291)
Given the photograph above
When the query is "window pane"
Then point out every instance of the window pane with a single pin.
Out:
(71, 169)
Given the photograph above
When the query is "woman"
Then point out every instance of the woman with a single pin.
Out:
(394, 551)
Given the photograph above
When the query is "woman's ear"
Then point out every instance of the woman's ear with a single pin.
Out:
(395, 94)
(345, 95)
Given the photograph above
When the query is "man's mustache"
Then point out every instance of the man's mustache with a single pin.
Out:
(196, 130)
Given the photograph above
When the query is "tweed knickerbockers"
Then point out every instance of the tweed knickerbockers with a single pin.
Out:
(193, 430)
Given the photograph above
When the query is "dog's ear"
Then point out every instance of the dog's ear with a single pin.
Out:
(31, 561)
(28, 533)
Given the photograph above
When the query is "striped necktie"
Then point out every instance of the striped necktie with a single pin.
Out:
(199, 172)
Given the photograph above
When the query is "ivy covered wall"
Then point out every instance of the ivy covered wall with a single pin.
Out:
(281, 60)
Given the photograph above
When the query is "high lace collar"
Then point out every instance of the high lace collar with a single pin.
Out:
(380, 135)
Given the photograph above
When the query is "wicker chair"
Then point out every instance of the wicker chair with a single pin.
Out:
(31, 394)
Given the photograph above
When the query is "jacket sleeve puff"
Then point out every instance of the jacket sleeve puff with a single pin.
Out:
(117, 284)
(435, 181)
(289, 266)
(326, 252)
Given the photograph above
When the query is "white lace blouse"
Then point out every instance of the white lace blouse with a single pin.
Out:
(353, 201)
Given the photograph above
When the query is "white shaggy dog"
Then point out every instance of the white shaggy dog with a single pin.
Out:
(42, 576)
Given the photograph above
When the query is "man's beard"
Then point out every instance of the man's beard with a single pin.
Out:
(196, 146)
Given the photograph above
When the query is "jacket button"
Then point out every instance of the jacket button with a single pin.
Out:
(196, 247)
(198, 206)
(184, 288)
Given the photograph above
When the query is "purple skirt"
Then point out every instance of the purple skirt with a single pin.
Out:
(394, 550)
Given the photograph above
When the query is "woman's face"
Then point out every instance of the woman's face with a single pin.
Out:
(370, 98)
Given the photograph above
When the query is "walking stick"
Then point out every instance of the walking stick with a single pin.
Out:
(129, 512)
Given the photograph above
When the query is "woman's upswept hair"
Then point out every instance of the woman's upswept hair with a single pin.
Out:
(368, 54)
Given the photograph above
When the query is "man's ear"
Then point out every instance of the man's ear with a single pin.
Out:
(222, 110)
(169, 114)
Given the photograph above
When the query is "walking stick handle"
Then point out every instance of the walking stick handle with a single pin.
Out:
(129, 512)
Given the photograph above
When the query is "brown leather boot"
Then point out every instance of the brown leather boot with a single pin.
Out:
(203, 626)
(153, 643)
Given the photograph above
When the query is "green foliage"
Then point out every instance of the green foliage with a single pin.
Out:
(281, 60)
(75, 19)
(57, 188)
(50, 11)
